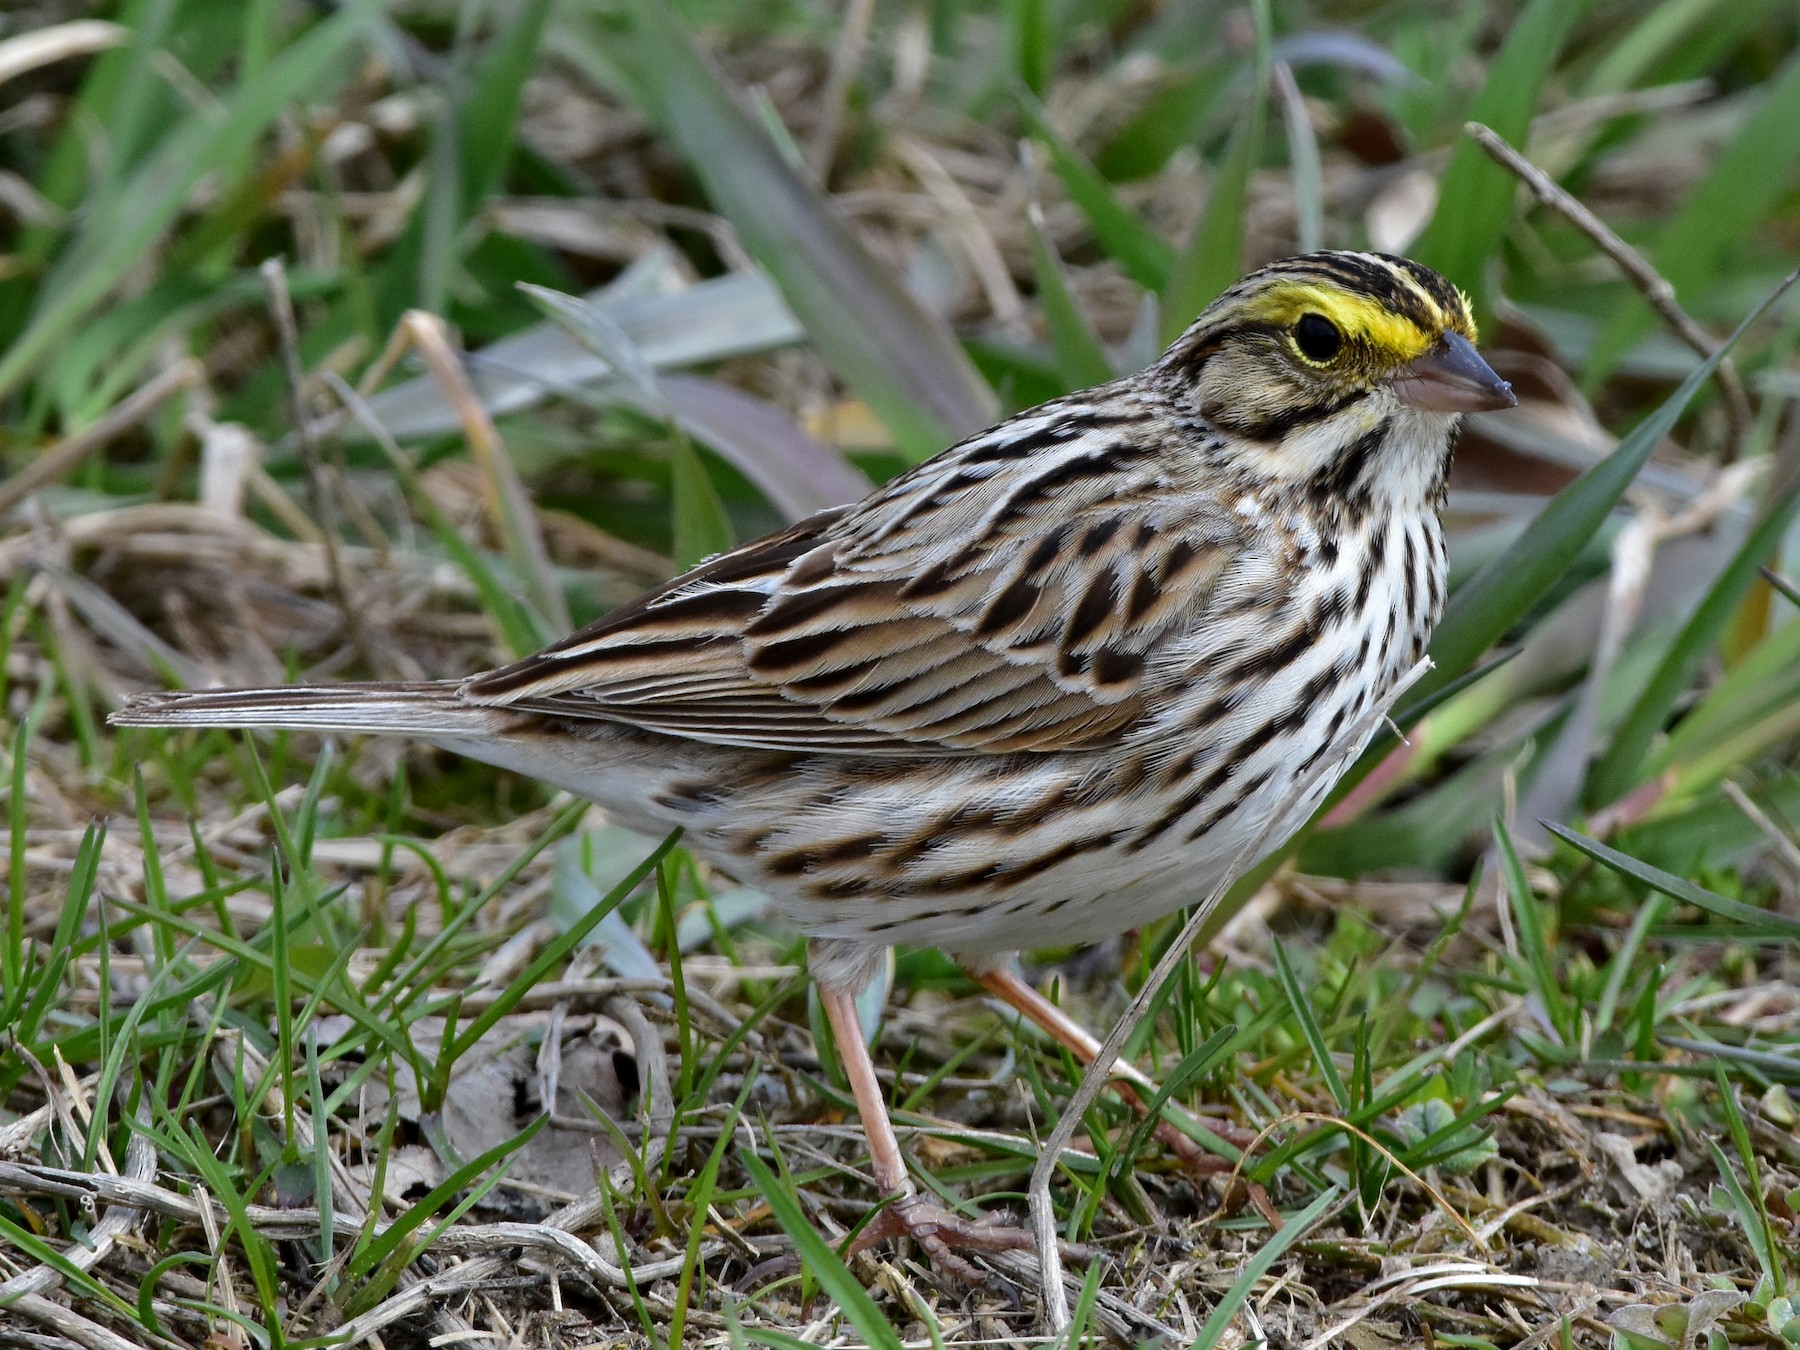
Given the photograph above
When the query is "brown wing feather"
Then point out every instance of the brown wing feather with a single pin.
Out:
(970, 607)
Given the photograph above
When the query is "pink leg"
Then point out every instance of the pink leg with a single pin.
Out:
(934, 1228)
(884, 1146)
(1006, 984)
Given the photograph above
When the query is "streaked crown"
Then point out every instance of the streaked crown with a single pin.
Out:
(1393, 305)
(1300, 338)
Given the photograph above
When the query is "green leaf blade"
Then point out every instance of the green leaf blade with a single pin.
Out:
(1746, 182)
(1214, 256)
(902, 361)
(1679, 888)
(1475, 196)
(1620, 768)
(1500, 594)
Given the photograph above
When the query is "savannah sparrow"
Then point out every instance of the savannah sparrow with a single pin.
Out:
(1038, 690)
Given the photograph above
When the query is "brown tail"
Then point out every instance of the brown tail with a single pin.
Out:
(426, 709)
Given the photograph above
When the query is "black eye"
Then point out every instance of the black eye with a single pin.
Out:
(1317, 337)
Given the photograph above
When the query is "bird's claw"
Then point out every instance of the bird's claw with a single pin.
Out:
(942, 1236)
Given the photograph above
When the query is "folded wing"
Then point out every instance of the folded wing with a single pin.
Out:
(1010, 595)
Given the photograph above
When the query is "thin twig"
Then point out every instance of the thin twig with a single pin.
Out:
(846, 60)
(1784, 845)
(79, 1330)
(1100, 1071)
(60, 458)
(281, 306)
(983, 252)
(122, 1219)
(1651, 284)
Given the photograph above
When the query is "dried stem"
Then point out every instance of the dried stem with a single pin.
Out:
(137, 406)
(281, 306)
(1100, 1072)
(508, 502)
(846, 60)
(1651, 284)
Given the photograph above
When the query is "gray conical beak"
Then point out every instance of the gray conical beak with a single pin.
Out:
(1452, 377)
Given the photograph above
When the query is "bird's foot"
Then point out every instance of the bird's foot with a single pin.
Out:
(944, 1236)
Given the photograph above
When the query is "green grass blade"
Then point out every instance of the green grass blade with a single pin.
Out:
(1475, 196)
(69, 924)
(903, 362)
(157, 193)
(1712, 43)
(1752, 1209)
(817, 1256)
(702, 528)
(1076, 1335)
(259, 1254)
(1033, 40)
(1500, 594)
(36, 1249)
(1758, 688)
(1201, 1060)
(1624, 962)
(1747, 181)
(1213, 1331)
(1311, 1031)
(388, 1241)
(559, 949)
(1619, 769)
(1645, 41)
(1768, 1064)
(488, 117)
(438, 223)
(1214, 256)
(1080, 357)
(1146, 256)
(700, 1198)
(1764, 922)
(1538, 943)
(1170, 119)
(779, 1340)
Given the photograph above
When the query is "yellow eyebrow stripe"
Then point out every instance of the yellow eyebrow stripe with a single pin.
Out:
(1356, 316)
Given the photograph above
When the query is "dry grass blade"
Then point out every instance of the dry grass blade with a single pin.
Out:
(846, 58)
(59, 42)
(281, 306)
(508, 502)
(61, 458)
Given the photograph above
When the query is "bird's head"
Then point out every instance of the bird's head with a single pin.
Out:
(1330, 355)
